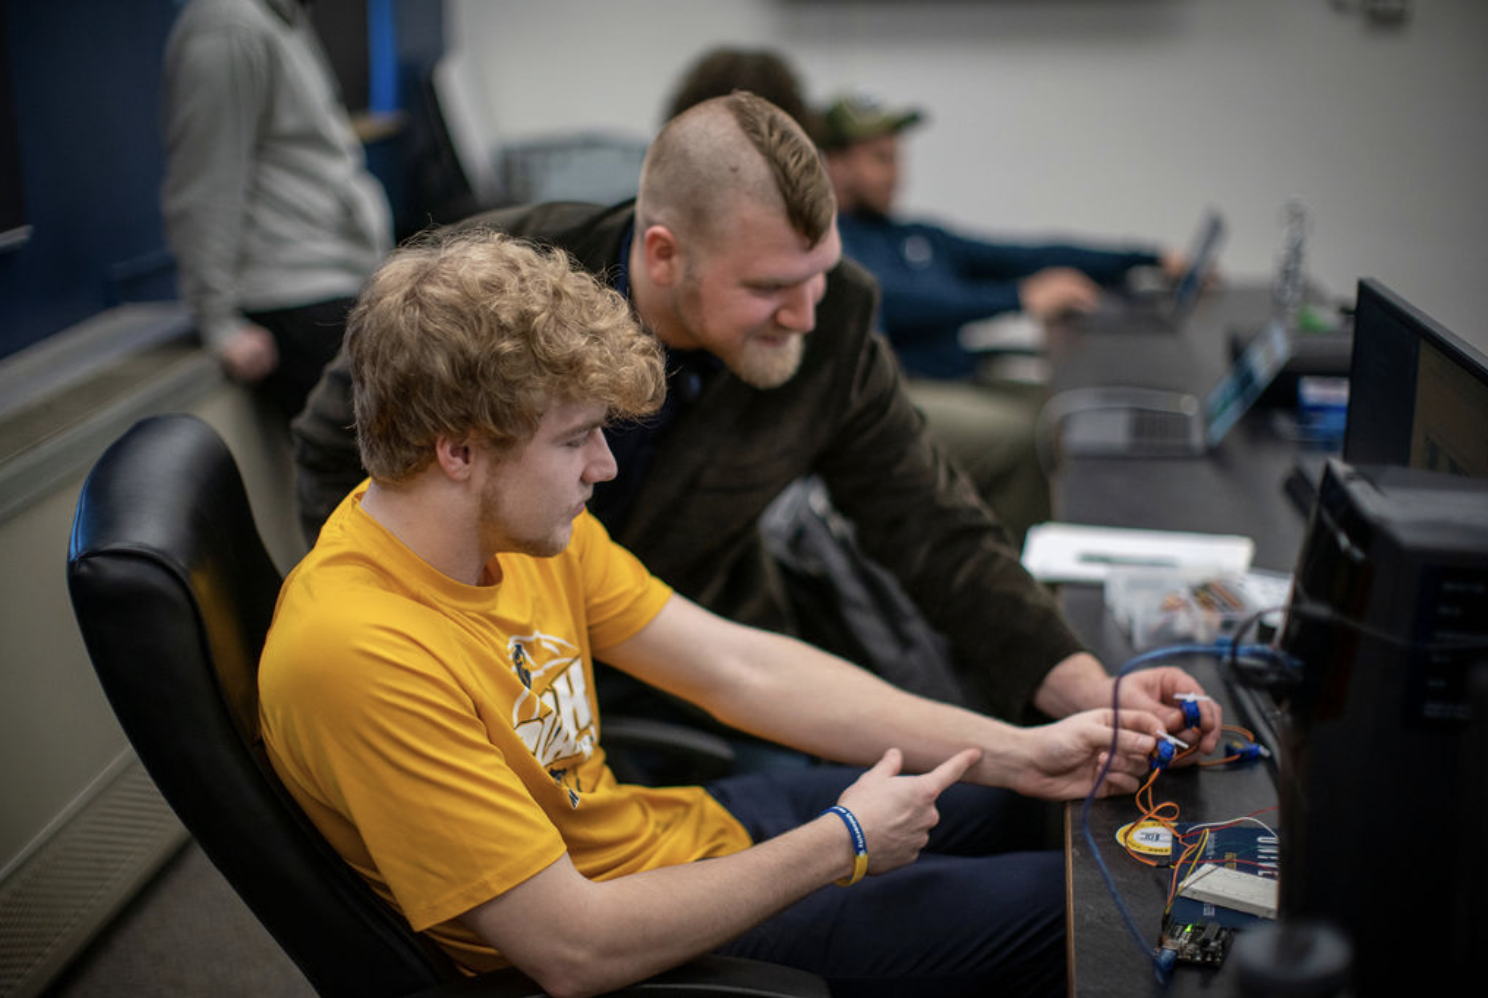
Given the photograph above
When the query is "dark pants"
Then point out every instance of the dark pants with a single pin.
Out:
(307, 337)
(981, 912)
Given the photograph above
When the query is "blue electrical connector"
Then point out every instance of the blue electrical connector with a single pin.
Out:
(1163, 963)
(1245, 753)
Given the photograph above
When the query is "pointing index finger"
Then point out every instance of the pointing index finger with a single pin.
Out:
(952, 769)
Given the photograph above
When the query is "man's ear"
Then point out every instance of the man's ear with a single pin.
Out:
(839, 172)
(662, 255)
(455, 457)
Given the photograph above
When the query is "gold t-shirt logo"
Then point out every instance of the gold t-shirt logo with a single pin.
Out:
(552, 716)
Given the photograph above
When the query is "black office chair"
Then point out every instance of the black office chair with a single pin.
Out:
(173, 592)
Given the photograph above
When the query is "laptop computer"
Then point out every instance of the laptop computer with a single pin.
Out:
(1146, 422)
(1118, 311)
(1166, 309)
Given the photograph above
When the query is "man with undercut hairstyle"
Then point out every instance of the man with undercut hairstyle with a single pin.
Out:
(426, 690)
(730, 256)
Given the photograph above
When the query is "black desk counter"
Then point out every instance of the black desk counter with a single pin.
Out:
(1105, 958)
(1236, 489)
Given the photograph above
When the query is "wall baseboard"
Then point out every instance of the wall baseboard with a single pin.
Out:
(57, 897)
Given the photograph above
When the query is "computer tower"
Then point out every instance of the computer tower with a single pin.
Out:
(1382, 776)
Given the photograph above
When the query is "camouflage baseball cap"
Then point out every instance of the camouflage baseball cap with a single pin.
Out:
(860, 116)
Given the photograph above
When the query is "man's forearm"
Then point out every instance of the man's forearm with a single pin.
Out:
(1076, 683)
(839, 711)
(214, 94)
(789, 692)
(597, 936)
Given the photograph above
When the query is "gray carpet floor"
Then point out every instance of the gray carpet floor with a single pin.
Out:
(185, 935)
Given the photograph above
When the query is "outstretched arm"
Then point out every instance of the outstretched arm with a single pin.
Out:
(214, 90)
(789, 692)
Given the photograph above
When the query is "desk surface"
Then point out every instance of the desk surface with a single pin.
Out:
(1236, 489)
(1105, 959)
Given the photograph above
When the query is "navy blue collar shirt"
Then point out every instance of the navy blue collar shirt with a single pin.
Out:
(635, 443)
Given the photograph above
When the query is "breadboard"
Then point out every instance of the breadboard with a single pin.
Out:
(1229, 888)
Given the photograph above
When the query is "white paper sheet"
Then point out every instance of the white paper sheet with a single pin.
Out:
(1069, 552)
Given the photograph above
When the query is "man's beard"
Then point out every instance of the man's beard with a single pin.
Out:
(756, 364)
(762, 366)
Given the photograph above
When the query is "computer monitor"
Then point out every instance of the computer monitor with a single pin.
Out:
(1418, 395)
(1383, 769)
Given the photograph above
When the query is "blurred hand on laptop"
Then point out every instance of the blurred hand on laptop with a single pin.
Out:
(1057, 291)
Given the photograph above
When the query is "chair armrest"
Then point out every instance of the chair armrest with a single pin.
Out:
(705, 977)
(730, 975)
(642, 750)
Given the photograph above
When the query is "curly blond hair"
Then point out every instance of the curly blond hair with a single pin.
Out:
(468, 332)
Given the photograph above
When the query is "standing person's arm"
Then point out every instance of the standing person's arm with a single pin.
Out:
(215, 86)
(919, 517)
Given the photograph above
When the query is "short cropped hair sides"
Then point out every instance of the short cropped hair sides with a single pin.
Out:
(738, 148)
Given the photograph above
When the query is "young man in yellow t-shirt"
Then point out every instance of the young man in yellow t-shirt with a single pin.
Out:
(426, 691)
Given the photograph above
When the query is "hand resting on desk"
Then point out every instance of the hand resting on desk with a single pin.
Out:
(1056, 291)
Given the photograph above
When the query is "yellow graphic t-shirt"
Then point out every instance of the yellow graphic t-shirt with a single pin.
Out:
(444, 737)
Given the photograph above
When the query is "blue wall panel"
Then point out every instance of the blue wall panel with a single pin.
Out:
(86, 87)
(85, 80)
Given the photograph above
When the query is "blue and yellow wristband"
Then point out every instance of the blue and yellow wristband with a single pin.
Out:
(859, 842)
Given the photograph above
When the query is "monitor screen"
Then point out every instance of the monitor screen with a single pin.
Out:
(1418, 395)
(1202, 257)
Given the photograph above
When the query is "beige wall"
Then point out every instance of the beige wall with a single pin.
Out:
(1117, 117)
